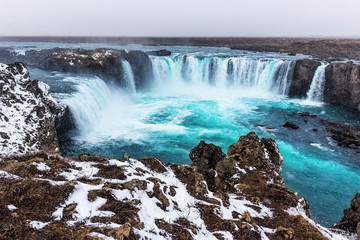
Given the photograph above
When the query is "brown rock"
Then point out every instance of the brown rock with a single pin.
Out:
(135, 183)
(287, 233)
(303, 74)
(342, 86)
(351, 219)
(205, 157)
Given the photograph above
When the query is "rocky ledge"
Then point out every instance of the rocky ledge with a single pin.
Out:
(104, 63)
(30, 119)
(342, 82)
(241, 196)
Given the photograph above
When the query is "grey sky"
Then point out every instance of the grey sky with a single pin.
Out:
(180, 18)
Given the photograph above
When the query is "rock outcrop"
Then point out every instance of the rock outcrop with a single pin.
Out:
(342, 85)
(303, 74)
(205, 157)
(28, 114)
(91, 197)
(351, 219)
(104, 63)
(162, 52)
(291, 125)
(141, 66)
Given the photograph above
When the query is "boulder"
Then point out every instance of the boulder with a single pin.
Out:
(306, 114)
(205, 157)
(303, 74)
(346, 136)
(291, 125)
(250, 152)
(351, 219)
(342, 85)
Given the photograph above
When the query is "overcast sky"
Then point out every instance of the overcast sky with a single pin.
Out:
(180, 17)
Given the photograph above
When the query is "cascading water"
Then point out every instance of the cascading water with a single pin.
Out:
(266, 74)
(128, 76)
(92, 96)
(316, 90)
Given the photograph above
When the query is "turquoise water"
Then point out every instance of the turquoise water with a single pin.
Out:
(196, 98)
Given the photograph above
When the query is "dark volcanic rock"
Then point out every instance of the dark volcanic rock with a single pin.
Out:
(141, 66)
(302, 78)
(346, 136)
(342, 85)
(306, 114)
(162, 52)
(291, 125)
(351, 219)
(205, 157)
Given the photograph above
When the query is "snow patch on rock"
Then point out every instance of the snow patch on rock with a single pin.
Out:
(26, 122)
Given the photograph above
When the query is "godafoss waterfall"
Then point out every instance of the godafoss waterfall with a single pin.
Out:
(216, 95)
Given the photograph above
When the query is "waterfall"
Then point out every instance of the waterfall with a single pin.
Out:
(266, 74)
(92, 95)
(128, 76)
(316, 90)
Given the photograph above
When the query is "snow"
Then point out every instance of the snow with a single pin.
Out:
(11, 207)
(42, 166)
(300, 210)
(38, 225)
(149, 210)
(18, 119)
(87, 170)
(99, 235)
(84, 208)
(180, 205)
(4, 174)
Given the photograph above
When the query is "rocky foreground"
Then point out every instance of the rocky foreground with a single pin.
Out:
(46, 196)
(241, 196)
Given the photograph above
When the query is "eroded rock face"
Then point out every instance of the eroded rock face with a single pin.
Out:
(162, 52)
(141, 66)
(342, 85)
(303, 74)
(104, 63)
(351, 219)
(28, 114)
(250, 152)
(205, 157)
